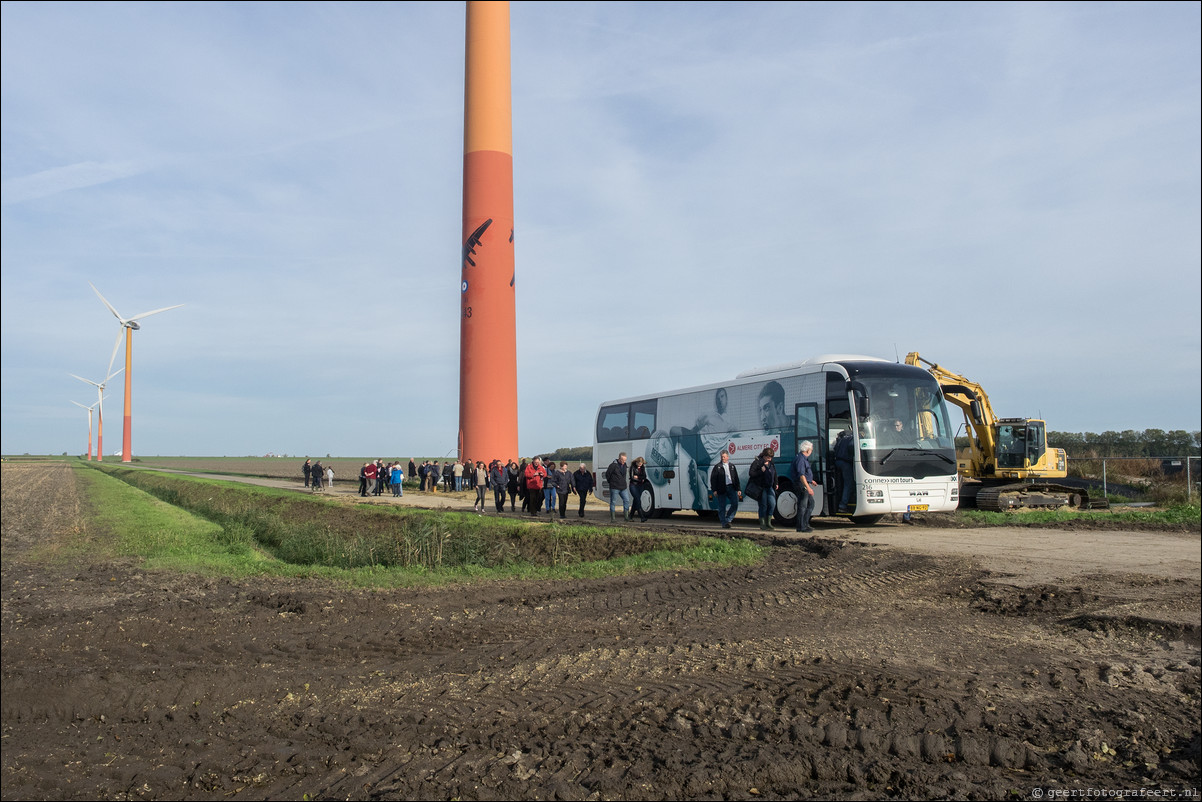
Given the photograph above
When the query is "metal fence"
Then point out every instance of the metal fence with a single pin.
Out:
(1169, 466)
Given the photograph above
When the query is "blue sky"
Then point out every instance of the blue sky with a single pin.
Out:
(700, 189)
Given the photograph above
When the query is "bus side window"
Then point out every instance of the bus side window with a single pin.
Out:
(643, 413)
(614, 424)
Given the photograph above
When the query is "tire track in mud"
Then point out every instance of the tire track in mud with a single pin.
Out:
(732, 593)
(723, 691)
(837, 716)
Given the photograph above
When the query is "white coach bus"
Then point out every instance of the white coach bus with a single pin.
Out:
(904, 449)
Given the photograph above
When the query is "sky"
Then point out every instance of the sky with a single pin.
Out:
(1010, 189)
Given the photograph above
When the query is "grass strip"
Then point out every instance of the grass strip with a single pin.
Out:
(1175, 515)
(128, 522)
(229, 528)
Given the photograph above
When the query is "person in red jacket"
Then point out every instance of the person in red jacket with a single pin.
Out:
(370, 471)
(536, 475)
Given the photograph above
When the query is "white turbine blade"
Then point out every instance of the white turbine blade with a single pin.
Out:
(116, 372)
(155, 312)
(81, 406)
(116, 346)
(82, 379)
(116, 314)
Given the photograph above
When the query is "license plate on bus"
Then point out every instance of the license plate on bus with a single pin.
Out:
(917, 508)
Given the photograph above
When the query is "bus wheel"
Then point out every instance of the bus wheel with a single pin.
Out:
(647, 501)
(786, 505)
(865, 520)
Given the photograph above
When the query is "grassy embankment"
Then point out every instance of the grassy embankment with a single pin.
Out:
(190, 524)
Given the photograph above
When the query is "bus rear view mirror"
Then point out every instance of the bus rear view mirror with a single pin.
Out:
(863, 409)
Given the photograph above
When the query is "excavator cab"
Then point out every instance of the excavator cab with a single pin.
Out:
(1021, 445)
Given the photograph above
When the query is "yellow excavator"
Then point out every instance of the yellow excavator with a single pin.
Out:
(1008, 464)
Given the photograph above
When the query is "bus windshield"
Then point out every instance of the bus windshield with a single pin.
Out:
(906, 432)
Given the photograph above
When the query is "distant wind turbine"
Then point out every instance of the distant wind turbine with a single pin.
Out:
(89, 409)
(99, 411)
(127, 328)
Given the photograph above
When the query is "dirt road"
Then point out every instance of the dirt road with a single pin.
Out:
(884, 663)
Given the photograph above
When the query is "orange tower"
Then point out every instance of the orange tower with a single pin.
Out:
(488, 371)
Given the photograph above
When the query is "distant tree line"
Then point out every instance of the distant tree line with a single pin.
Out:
(577, 454)
(1129, 443)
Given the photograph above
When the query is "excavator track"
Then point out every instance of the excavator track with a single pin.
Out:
(1034, 495)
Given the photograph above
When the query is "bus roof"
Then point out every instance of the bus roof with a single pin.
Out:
(813, 363)
(821, 359)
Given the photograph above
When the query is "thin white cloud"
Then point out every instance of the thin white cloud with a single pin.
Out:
(50, 182)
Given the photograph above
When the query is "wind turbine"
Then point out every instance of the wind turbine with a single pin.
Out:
(89, 409)
(127, 327)
(99, 413)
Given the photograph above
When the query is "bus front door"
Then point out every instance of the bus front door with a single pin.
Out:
(806, 428)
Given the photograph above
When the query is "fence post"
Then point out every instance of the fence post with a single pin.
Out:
(1105, 495)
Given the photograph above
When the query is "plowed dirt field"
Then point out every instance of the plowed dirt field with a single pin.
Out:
(834, 669)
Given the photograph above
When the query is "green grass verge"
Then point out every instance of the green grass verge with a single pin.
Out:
(128, 522)
(188, 524)
(1175, 515)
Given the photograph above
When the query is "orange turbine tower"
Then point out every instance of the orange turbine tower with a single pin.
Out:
(488, 383)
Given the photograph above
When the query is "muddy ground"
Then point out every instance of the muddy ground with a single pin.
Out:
(845, 666)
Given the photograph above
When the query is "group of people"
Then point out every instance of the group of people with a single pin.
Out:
(539, 488)
(316, 475)
(454, 475)
(626, 485)
(547, 487)
(377, 478)
(727, 490)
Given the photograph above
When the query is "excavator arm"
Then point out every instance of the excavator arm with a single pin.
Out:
(972, 400)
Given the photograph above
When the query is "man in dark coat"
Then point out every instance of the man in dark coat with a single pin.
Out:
(582, 484)
(618, 481)
(724, 484)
